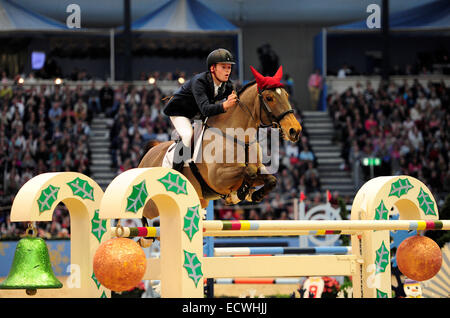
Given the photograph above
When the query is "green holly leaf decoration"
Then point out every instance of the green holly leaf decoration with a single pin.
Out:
(426, 203)
(400, 187)
(137, 198)
(382, 259)
(193, 267)
(191, 220)
(381, 213)
(174, 182)
(82, 188)
(98, 226)
(380, 294)
(47, 198)
(97, 283)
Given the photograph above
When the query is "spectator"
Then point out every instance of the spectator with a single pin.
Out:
(415, 137)
(93, 99)
(106, 96)
(315, 87)
(81, 110)
(344, 71)
(55, 114)
(306, 155)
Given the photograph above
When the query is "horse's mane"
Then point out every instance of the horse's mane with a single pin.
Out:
(243, 88)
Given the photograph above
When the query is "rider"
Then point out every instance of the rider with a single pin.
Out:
(207, 94)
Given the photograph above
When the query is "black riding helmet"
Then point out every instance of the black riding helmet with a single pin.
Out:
(219, 56)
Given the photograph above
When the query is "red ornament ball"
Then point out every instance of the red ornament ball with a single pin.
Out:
(119, 264)
(419, 258)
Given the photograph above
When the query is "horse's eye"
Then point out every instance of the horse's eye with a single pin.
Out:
(269, 98)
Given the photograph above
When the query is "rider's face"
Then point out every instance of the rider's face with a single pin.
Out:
(222, 71)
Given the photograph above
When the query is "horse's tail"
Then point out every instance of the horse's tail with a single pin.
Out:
(149, 145)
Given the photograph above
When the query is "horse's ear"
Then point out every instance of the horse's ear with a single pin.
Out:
(256, 74)
(279, 74)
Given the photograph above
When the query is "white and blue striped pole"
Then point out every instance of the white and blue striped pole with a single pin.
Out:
(208, 249)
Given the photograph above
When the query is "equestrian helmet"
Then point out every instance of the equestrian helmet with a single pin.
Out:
(219, 56)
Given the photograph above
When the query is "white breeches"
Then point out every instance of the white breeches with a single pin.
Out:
(184, 128)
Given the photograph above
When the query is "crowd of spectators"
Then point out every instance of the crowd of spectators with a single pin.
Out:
(405, 124)
(43, 128)
(137, 119)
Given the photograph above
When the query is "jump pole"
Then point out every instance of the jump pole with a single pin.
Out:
(337, 227)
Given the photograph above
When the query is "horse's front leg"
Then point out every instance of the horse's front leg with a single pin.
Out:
(269, 182)
(237, 180)
(250, 175)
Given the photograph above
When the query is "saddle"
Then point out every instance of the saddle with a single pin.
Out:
(198, 135)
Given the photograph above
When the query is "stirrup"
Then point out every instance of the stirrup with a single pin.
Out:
(179, 149)
(178, 166)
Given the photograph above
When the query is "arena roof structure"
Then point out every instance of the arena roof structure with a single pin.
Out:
(14, 17)
(434, 16)
(429, 20)
(184, 16)
(188, 17)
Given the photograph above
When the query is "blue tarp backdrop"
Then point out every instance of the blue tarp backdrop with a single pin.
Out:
(59, 251)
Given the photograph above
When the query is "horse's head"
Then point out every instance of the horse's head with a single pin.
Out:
(275, 106)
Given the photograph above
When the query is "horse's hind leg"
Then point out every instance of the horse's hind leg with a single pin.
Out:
(269, 181)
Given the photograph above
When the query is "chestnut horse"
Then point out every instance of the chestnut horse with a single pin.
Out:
(235, 181)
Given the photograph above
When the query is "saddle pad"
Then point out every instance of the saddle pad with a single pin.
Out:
(199, 129)
(168, 157)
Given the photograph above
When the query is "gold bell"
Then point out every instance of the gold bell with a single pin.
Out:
(31, 268)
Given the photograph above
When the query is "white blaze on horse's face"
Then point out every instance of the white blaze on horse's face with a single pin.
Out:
(278, 90)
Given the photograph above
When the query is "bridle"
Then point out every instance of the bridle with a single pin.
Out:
(275, 120)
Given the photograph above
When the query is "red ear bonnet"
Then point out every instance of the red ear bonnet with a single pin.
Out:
(265, 82)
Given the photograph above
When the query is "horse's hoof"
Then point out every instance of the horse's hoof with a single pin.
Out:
(257, 197)
(228, 202)
(243, 191)
(242, 194)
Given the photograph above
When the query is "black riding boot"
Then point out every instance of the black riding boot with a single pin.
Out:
(178, 162)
